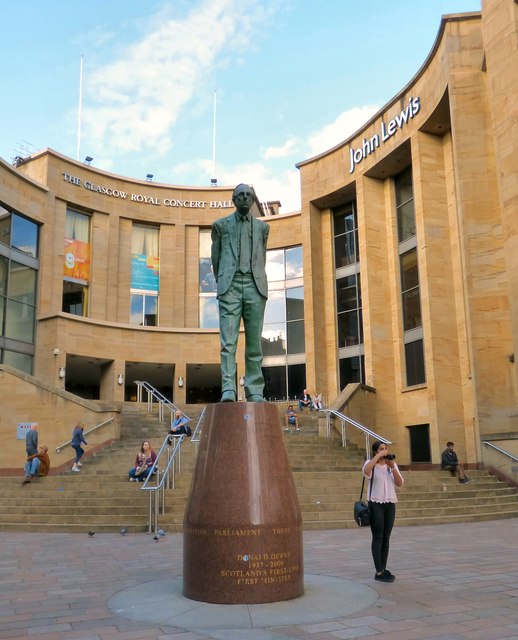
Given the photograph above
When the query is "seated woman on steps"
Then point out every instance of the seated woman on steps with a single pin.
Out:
(143, 463)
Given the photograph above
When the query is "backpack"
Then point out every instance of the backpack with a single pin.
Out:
(188, 430)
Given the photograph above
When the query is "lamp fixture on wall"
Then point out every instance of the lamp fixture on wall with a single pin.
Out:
(241, 381)
(88, 159)
(149, 177)
(120, 378)
(180, 381)
(61, 372)
(56, 352)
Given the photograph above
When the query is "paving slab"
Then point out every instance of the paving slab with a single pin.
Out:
(454, 581)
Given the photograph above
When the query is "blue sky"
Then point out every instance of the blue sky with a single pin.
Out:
(292, 78)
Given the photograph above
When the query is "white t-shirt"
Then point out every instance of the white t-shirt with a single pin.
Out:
(383, 485)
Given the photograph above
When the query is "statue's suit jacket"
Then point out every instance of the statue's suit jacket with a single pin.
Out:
(225, 253)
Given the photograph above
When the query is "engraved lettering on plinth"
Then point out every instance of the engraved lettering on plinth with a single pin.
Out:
(242, 526)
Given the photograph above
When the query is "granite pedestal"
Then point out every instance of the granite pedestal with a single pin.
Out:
(242, 527)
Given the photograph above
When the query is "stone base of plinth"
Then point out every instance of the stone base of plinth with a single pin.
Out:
(242, 535)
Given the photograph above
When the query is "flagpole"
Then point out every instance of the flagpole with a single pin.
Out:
(214, 180)
(80, 109)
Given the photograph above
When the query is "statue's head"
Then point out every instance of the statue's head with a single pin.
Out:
(242, 197)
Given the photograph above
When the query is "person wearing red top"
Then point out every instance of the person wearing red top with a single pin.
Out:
(143, 463)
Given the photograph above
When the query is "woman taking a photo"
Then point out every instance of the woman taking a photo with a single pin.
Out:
(384, 476)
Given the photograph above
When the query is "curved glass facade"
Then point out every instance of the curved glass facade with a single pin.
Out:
(18, 281)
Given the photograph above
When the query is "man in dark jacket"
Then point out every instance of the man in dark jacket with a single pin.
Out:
(238, 257)
(450, 462)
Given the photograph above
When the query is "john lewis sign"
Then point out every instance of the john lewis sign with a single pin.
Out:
(387, 130)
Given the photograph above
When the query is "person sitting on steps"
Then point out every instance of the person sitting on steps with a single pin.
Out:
(450, 462)
(291, 419)
(178, 428)
(305, 401)
(143, 463)
(37, 465)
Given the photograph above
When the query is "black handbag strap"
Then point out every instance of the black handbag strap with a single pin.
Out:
(370, 485)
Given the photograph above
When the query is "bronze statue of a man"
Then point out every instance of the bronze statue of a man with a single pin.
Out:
(238, 261)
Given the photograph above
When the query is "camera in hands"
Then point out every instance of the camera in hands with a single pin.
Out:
(390, 456)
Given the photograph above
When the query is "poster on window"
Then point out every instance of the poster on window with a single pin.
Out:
(77, 259)
(144, 272)
(22, 428)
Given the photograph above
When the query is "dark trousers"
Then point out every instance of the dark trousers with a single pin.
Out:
(383, 516)
(79, 452)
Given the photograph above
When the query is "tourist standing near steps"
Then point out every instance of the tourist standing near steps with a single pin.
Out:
(77, 440)
(384, 476)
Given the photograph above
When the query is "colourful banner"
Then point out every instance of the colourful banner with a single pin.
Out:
(77, 259)
(145, 272)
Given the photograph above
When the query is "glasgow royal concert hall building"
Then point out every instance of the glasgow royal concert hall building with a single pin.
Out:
(396, 283)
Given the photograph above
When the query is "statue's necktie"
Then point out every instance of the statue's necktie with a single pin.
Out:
(244, 245)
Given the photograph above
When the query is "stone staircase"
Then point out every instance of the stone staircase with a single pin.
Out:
(327, 478)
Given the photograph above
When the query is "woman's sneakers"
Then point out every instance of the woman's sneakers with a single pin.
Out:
(75, 467)
(385, 576)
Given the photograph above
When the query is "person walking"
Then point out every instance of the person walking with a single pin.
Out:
(77, 440)
(384, 476)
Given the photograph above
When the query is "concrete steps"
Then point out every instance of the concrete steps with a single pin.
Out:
(327, 478)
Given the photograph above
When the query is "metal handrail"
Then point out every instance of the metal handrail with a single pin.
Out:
(486, 443)
(163, 478)
(344, 419)
(196, 433)
(163, 402)
(97, 426)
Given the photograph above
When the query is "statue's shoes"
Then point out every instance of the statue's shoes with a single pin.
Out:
(228, 396)
(255, 398)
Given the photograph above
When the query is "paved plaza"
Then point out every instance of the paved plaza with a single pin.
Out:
(453, 582)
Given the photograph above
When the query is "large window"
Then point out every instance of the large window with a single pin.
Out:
(76, 278)
(346, 235)
(283, 339)
(405, 205)
(410, 290)
(409, 275)
(18, 282)
(145, 275)
(209, 314)
(349, 311)
(349, 320)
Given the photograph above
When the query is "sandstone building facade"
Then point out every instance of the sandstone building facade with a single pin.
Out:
(400, 271)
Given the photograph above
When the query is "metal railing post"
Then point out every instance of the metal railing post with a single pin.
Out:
(150, 515)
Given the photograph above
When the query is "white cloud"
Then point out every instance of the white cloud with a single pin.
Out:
(287, 149)
(134, 102)
(269, 185)
(346, 123)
